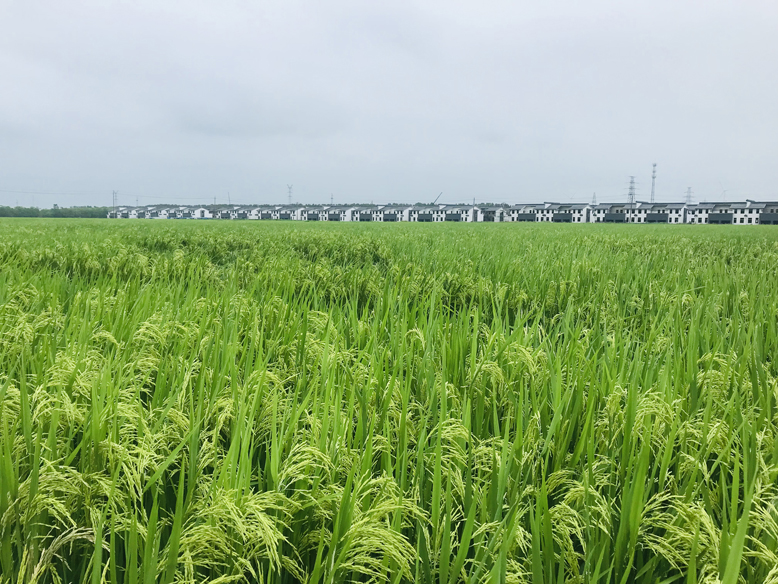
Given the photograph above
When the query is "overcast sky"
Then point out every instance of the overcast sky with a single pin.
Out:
(546, 100)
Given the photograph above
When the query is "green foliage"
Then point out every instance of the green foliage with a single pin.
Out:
(67, 212)
(265, 402)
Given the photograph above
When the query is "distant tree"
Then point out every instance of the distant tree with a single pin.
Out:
(56, 211)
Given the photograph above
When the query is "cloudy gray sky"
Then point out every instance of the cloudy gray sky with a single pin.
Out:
(386, 100)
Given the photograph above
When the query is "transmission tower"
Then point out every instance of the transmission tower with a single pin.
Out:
(114, 203)
(653, 182)
(594, 199)
(688, 195)
(631, 195)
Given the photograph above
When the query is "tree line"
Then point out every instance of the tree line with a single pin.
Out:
(71, 212)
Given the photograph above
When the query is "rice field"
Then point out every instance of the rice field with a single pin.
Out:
(262, 402)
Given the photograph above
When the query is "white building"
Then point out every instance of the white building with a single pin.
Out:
(746, 213)
(201, 213)
(308, 213)
(581, 213)
(717, 213)
(160, 213)
(769, 214)
(241, 213)
(448, 213)
(419, 214)
(490, 214)
(349, 214)
(522, 213)
(736, 213)
(330, 214)
(120, 213)
(677, 212)
(481, 213)
(283, 214)
(546, 212)
(612, 213)
(673, 213)
(364, 214)
(386, 215)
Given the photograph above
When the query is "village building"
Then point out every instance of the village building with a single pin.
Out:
(451, 213)
(385, 215)
(418, 214)
(364, 215)
(349, 214)
(283, 214)
(581, 212)
(522, 213)
(489, 214)
(735, 213)
(769, 214)
(158, 213)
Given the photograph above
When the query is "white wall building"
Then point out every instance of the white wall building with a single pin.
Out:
(735, 213)
(201, 213)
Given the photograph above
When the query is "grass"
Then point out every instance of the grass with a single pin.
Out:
(264, 402)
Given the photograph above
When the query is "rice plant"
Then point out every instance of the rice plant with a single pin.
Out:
(260, 402)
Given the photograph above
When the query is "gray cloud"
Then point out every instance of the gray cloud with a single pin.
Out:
(387, 101)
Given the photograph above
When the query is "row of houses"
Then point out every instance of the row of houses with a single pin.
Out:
(740, 213)
(360, 213)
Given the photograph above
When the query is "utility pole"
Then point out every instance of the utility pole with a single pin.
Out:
(332, 199)
(229, 202)
(653, 182)
(136, 200)
(289, 194)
